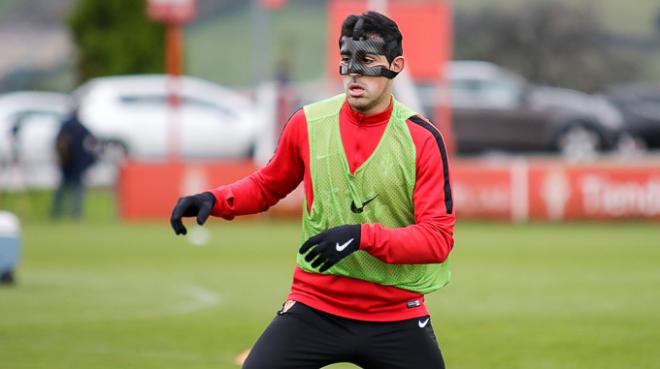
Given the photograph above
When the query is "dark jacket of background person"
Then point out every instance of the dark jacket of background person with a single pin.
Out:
(75, 148)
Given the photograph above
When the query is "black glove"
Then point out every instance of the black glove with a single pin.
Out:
(199, 205)
(332, 245)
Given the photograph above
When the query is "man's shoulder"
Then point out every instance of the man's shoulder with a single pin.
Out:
(332, 99)
(425, 133)
(323, 108)
(422, 125)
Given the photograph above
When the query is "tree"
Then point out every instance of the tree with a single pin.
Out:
(550, 42)
(115, 37)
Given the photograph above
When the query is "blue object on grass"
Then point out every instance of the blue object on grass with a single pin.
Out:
(10, 244)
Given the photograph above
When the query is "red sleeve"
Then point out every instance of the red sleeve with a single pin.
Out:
(430, 239)
(265, 187)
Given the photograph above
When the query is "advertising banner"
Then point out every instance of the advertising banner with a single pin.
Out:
(516, 190)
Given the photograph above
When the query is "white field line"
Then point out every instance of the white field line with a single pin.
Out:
(188, 357)
(201, 298)
(189, 299)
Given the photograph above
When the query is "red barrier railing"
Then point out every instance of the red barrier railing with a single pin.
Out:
(515, 190)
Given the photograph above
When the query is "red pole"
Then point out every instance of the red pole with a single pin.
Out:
(174, 68)
(173, 48)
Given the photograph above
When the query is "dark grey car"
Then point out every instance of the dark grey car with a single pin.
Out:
(640, 106)
(496, 110)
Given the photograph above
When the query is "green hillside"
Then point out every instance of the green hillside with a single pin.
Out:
(222, 50)
(628, 17)
(219, 45)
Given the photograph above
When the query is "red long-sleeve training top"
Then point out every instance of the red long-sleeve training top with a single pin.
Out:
(429, 240)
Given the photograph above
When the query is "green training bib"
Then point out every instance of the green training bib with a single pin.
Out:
(380, 191)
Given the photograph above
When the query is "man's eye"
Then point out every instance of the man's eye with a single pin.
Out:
(345, 59)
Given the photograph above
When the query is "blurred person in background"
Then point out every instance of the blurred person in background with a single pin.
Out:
(378, 217)
(75, 146)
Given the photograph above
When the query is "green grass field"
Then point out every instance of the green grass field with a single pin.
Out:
(101, 294)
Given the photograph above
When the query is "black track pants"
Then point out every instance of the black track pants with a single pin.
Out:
(305, 338)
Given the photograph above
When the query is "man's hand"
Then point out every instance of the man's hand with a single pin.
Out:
(199, 205)
(332, 245)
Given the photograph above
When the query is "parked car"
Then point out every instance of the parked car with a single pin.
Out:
(494, 109)
(29, 121)
(640, 106)
(133, 113)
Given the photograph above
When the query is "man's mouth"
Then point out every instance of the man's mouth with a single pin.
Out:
(356, 90)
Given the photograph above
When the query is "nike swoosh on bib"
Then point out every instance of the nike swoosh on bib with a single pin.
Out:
(357, 210)
(343, 246)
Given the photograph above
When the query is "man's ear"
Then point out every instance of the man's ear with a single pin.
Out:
(398, 64)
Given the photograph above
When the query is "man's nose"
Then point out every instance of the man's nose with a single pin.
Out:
(353, 70)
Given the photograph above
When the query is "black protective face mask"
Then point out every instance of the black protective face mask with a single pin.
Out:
(356, 50)
(357, 47)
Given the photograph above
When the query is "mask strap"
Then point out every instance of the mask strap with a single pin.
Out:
(387, 73)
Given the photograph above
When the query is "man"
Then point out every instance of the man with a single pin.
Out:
(75, 146)
(377, 218)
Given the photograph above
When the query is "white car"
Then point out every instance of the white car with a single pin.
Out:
(133, 112)
(29, 122)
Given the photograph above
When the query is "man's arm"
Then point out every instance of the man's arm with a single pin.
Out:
(430, 239)
(256, 192)
(265, 187)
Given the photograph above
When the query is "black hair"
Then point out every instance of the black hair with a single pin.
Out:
(376, 24)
